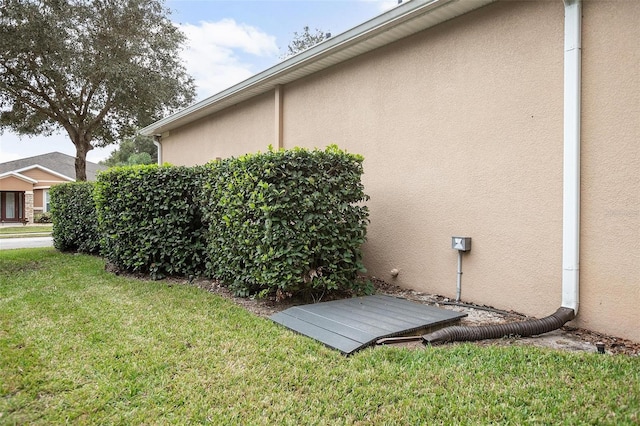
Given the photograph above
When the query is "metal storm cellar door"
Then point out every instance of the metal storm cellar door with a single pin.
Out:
(349, 325)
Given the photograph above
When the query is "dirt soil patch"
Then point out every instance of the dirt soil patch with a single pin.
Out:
(566, 338)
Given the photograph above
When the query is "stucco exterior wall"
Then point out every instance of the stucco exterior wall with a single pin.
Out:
(11, 183)
(610, 215)
(44, 178)
(247, 127)
(461, 127)
(38, 198)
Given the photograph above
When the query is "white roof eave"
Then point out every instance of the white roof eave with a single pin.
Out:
(44, 169)
(402, 21)
(18, 176)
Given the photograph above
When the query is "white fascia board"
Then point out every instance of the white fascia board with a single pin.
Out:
(44, 169)
(18, 176)
(400, 22)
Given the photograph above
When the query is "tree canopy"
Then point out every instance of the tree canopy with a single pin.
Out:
(133, 150)
(304, 40)
(97, 69)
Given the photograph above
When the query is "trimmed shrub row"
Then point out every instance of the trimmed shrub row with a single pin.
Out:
(75, 223)
(150, 219)
(286, 222)
(281, 222)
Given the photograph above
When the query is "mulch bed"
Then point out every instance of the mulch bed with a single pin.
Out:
(267, 307)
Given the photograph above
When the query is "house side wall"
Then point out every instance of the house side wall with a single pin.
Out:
(43, 178)
(11, 183)
(610, 164)
(461, 130)
(461, 127)
(38, 199)
(247, 127)
(45, 181)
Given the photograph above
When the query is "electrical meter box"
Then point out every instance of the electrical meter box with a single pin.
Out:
(461, 243)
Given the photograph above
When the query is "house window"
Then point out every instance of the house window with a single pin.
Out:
(10, 205)
(45, 200)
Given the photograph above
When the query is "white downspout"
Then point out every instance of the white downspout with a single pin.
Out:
(156, 142)
(571, 168)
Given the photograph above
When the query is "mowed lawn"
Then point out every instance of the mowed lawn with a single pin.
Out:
(79, 345)
(25, 231)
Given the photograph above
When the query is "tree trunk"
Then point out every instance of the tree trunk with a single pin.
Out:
(82, 148)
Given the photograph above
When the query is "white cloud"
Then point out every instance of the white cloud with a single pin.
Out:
(384, 5)
(215, 51)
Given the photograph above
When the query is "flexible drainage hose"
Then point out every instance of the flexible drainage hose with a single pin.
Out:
(524, 329)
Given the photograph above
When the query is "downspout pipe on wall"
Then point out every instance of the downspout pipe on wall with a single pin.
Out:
(570, 205)
(157, 141)
(571, 175)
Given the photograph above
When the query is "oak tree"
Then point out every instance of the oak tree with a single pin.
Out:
(304, 40)
(138, 149)
(96, 69)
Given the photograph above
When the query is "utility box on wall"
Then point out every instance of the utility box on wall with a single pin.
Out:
(461, 243)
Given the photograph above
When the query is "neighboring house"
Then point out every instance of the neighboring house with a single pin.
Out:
(515, 123)
(25, 183)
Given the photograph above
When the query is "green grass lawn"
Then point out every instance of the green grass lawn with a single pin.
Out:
(79, 345)
(25, 231)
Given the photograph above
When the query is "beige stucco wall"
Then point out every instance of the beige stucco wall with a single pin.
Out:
(610, 243)
(11, 183)
(462, 131)
(44, 178)
(247, 127)
(45, 181)
(38, 198)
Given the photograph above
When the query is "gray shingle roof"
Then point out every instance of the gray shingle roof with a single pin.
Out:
(55, 161)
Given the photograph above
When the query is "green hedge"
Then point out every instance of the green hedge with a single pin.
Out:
(286, 222)
(150, 219)
(75, 224)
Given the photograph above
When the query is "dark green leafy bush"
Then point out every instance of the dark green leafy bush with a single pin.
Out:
(150, 219)
(286, 222)
(73, 212)
(44, 217)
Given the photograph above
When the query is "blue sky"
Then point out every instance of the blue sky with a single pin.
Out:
(229, 41)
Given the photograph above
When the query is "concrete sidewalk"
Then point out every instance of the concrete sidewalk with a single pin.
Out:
(28, 242)
(19, 224)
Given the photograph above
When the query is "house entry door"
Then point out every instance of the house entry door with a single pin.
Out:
(11, 206)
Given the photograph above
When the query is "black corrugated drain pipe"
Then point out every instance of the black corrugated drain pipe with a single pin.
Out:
(523, 329)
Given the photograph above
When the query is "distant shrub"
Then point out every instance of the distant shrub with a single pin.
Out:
(73, 213)
(44, 217)
(150, 219)
(286, 222)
